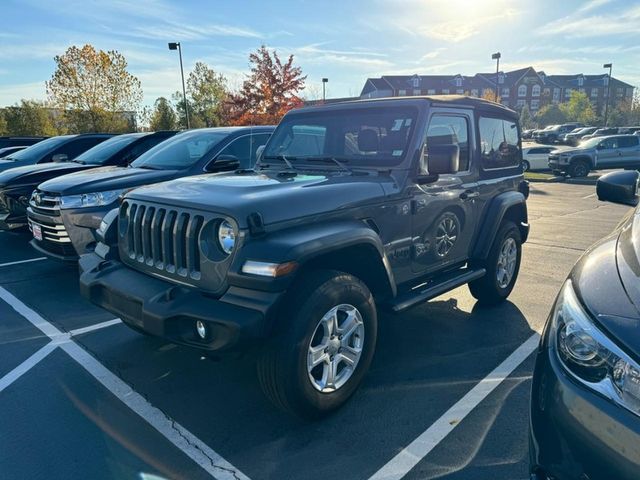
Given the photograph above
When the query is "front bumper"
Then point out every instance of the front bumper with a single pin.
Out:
(13, 213)
(79, 226)
(575, 433)
(237, 320)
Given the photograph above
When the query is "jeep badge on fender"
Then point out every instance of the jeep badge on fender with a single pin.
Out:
(352, 207)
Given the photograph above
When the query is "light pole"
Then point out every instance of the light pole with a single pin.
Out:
(606, 100)
(496, 56)
(176, 46)
(324, 83)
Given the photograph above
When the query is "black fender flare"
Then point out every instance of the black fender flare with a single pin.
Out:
(500, 207)
(303, 244)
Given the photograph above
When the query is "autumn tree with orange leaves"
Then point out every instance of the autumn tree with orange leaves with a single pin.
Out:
(270, 91)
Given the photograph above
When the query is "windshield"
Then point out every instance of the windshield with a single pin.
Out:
(35, 152)
(590, 142)
(363, 136)
(102, 152)
(181, 151)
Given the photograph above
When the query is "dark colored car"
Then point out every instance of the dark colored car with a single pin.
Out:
(65, 212)
(352, 207)
(54, 149)
(19, 141)
(20, 182)
(585, 399)
(9, 150)
(602, 132)
(553, 135)
(574, 138)
(14, 198)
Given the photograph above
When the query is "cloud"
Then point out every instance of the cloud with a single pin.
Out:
(592, 5)
(10, 94)
(184, 31)
(616, 24)
(316, 54)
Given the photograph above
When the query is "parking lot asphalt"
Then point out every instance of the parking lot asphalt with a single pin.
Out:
(110, 403)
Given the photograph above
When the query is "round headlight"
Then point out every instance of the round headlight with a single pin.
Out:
(226, 237)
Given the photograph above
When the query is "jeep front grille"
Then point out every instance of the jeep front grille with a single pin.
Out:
(163, 238)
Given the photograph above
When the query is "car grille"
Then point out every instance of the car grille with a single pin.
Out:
(51, 233)
(554, 158)
(45, 203)
(163, 238)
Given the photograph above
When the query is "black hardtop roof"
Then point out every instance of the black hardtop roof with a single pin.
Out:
(444, 100)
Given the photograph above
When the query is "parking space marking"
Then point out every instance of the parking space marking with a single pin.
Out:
(410, 456)
(18, 262)
(180, 437)
(97, 326)
(25, 366)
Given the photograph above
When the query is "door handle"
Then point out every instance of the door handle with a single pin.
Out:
(469, 194)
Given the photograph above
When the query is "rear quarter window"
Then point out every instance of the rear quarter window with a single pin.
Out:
(499, 146)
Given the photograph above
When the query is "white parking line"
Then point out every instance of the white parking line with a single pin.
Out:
(179, 436)
(25, 366)
(18, 262)
(409, 457)
(97, 326)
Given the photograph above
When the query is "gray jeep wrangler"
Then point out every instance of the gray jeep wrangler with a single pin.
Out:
(352, 208)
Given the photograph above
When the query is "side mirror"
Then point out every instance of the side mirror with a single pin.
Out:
(224, 163)
(619, 187)
(60, 157)
(438, 160)
(259, 152)
(599, 146)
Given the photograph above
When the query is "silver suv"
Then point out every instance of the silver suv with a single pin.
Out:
(601, 153)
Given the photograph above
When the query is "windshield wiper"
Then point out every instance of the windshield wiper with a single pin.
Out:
(286, 160)
(330, 159)
(78, 161)
(146, 167)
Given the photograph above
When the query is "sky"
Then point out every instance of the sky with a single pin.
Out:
(345, 41)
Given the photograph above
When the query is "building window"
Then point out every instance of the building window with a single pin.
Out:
(546, 92)
(522, 91)
(459, 91)
(431, 91)
(445, 91)
(402, 93)
(594, 92)
(567, 92)
(416, 91)
(580, 81)
(458, 82)
(581, 90)
(556, 94)
(520, 103)
(474, 92)
(619, 92)
(416, 82)
(501, 78)
(535, 91)
(505, 92)
(535, 104)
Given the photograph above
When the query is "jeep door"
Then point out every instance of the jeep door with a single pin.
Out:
(608, 153)
(444, 213)
(630, 149)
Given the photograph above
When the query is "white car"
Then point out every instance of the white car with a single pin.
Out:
(536, 157)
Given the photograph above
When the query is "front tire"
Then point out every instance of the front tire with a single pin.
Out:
(579, 169)
(502, 265)
(323, 345)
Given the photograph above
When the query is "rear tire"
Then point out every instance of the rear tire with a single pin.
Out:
(579, 169)
(502, 266)
(525, 166)
(311, 368)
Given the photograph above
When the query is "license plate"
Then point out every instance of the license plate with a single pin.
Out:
(37, 231)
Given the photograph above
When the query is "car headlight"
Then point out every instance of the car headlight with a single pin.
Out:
(590, 356)
(226, 237)
(96, 199)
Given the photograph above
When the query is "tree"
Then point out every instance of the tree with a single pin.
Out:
(163, 116)
(94, 89)
(270, 91)
(490, 94)
(578, 108)
(3, 123)
(526, 120)
(29, 118)
(207, 92)
(550, 115)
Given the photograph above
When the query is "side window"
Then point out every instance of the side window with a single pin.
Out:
(75, 147)
(450, 130)
(535, 151)
(139, 148)
(609, 143)
(625, 142)
(498, 143)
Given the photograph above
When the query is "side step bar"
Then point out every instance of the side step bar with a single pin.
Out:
(434, 288)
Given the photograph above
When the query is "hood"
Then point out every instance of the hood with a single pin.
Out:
(573, 151)
(103, 179)
(276, 197)
(607, 279)
(8, 164)
(35, 174)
